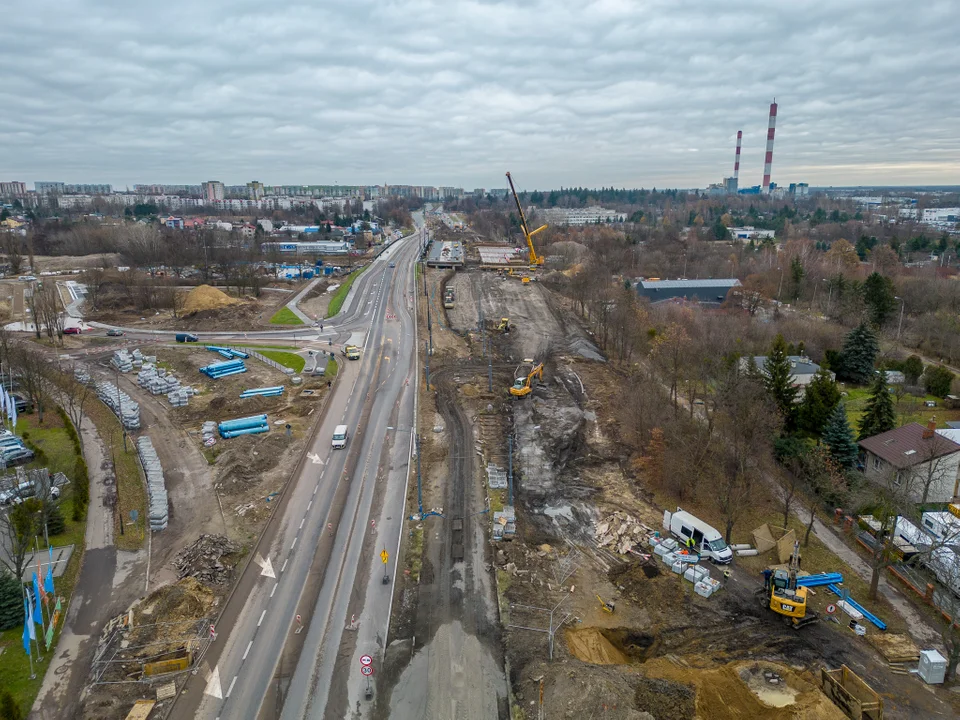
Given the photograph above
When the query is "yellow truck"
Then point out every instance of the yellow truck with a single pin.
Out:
(352, 352)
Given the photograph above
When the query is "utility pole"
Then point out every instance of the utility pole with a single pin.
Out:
(426, 364)
(419, 481)
(900, 324)
(510, 466)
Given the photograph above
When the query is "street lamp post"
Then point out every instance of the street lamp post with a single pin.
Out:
(900, 324)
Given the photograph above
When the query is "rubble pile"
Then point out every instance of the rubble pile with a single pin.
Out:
(202, 560)
(621, 532)
(126, 409)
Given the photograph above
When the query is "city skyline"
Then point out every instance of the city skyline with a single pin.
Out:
(562, 93)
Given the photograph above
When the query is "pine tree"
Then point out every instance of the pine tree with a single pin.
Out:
(880, 415)
(11, 601)
(838, 437)
(819, 399)
(778, 380)
(859, 352)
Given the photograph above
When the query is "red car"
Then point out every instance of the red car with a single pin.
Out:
(72, 331)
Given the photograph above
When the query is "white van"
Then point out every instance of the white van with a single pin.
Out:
(706, 540)
(339, 437)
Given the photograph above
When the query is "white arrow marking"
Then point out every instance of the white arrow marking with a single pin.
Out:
(213, 684)
(315, 459)
(266, 566)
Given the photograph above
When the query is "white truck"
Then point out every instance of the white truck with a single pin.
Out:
(695, 534)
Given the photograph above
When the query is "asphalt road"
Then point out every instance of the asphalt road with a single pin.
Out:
(316, 536)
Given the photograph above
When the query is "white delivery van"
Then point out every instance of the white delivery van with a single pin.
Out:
(706, 540)
(339, 437)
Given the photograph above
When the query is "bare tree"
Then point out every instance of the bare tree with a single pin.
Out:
(72, 396)
(32, 369)
(13, 249)
(669, 353)
(18, 527)
(49, 310)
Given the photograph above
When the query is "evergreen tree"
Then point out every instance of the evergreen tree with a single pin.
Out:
(778, 380)
(819, 400)
(880, 415)
(912, 369)
(879, 296)
(838, 437)
(11, 601)
(859, 353)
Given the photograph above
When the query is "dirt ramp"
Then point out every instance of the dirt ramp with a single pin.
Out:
(592, 646)
(205, 297)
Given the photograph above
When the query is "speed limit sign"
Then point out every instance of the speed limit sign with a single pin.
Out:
(831, 609)
(366, 670)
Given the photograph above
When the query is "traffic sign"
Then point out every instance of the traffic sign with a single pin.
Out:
(831, 609)
(365, 660)
(366, 670)
(384, 556)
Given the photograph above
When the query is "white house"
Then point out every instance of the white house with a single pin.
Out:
(918, 460)
(802, 368)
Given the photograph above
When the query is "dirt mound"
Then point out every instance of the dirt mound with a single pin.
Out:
(207, 560)
(170, 612)
(666, 700)
(761, 690)
(591, 645)
(204, 297)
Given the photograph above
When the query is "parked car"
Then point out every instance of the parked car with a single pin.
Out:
(16, 456)
(393, 265)
(113, 332)
(28, 490)
(23, 405)
(72, 330)
(186, 337)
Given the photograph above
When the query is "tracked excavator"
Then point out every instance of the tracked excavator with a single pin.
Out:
(782, 595)
(523, 385)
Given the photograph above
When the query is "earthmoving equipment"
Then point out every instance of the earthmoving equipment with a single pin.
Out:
(787, 598)
(607, 607)
(535, 260)
(504, 325)
(523, 385)
(448, 298)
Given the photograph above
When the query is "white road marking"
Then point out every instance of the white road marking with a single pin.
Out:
(316, 488)
(275, 586)
(232, 683)
(294, 544)
(301, 523)
(259, 621)
(284, 565)
(247, 651)
(309, 504)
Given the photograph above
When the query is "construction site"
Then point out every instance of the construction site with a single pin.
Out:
(536, 558)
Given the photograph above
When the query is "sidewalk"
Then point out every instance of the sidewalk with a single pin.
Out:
(293, 304)
(101, 591)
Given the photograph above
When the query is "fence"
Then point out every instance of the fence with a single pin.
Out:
(931, 593)
(272, 363)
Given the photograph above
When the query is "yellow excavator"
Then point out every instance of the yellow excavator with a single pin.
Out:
(522, 386)
(504, 325)
(784, 597)
(535, 260)
(607, 607)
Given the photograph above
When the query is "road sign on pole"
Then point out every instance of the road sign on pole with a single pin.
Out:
(384, 556)
(366, 670)
(366, 660)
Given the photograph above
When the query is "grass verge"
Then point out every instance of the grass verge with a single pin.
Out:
(332, 368)
(285, 316)
(336, 302)
(131, 493)
(287, 359)
(415, 553)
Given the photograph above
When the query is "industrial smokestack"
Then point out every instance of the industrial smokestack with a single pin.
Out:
(768, 160)
(736, 163)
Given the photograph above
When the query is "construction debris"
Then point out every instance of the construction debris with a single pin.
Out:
(202, 560)
(621, 532)
(496, 477)
(156, 486)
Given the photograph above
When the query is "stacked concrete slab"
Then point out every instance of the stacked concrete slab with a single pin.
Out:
(157, 380)
(496, 477)
(156, 485)
(81, 376)
(126, 409)
(122, 361)
(208, 433)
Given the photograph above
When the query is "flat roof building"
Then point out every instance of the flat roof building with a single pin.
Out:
(712, 291)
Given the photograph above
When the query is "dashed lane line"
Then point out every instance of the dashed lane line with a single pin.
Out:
(247, 651)
(262, 615)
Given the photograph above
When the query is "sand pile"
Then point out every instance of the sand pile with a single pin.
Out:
(591, 645)
(747, 690)
(205, 297)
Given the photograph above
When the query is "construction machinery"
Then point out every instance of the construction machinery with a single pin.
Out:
(504, 325)
(786, 598)
(535, 260)
(523, 385)
(607, 607)
(449, 297)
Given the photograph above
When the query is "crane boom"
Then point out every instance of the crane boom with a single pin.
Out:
(534, 258)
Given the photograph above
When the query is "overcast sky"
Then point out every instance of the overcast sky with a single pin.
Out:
(617, 92)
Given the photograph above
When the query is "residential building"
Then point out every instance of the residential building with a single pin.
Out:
(87, 189)
(213, 191)
(915, 460)
(13, 189)
(910, 213)
(711, 291)
(174, 223)
(802, 368)
(255, 190)
(580, 216)
(451, 192)
(49, 188)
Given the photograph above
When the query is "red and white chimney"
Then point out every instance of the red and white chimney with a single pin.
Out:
(736, 162)
(768, 160)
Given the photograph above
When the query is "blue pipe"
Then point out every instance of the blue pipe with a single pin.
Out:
(857, 606)
(246, 431)
(818, 580)
(243, 422)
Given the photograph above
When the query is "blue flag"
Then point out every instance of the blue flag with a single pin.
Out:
(48, 579)
(27, 627)
(37, 612)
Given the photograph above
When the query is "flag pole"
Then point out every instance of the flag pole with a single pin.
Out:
(27, 620)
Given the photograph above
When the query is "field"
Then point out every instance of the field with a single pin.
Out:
(285, 316)
(336, 302)
(285, 358)
(909, 408)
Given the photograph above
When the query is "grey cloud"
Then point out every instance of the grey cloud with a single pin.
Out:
(614, 92)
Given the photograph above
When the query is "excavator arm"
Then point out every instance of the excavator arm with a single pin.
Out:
(534, 258)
